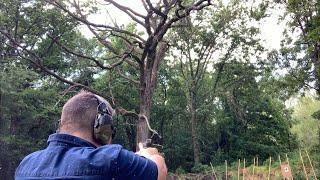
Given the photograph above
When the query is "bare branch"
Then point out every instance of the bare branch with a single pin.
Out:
(196, 6)
(132, 63)
(37, 63)
(145, 5)
(104, 42)
(124, 112)
(165, 2)
(129, 12)
(155, 10)
(98, 63)
(86, 22)
(135, 82)
(124, 56)
(49, 72)
(126, 8)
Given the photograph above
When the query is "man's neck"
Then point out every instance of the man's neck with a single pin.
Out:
(87, 137)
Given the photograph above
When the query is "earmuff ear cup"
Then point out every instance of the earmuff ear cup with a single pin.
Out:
(103, 128)
(103, 133)
(102, 108)
(114, 132)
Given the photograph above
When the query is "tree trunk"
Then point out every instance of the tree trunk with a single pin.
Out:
(316, 63)
(130, 135)
(142, 126)
(319, 134)
(194, 132)
(145, 106)
(148, 80)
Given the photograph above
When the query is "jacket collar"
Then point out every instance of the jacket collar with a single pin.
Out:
(69, 140)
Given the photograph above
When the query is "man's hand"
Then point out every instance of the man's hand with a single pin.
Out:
(153, 154)
(146, 151)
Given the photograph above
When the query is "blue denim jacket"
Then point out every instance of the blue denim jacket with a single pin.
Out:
(70, 157)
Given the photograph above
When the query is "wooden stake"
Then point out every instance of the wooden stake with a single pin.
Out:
(314, 174)
(269, 168)
(287, 159)
(226, 169)
(279, 159)
(254, 163)
(239, 161)
(304, 168)
(280, 164)
(213, 171)
(244, 167)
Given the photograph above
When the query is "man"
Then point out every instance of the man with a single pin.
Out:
(82, 149)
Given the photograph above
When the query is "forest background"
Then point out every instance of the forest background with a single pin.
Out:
(199, 70)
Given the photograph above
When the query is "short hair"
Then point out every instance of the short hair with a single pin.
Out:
(79, 112)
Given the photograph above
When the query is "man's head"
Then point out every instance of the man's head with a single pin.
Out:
(80, 113)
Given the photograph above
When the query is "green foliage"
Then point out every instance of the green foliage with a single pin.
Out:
(180, 170)
(306, 127)
(300, 47)
(27, 115)
(198, 168)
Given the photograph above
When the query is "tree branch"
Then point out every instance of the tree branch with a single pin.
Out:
(37, 63)
(135, 82)
(98, 63)
(124, 112)
(155, 10)
(86, 22)
(129, 12)
(196, 6)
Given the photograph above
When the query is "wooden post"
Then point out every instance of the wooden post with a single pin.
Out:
(304, 168)
(254, 163)
(269, 168)
(287, 159)
(257, 160)
(213, 171)
(244, 167)
(314, 174)
(239, 161)
(280, 163)
(226, 169)
(279, 159)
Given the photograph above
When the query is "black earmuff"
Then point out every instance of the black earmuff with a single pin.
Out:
(103, 128)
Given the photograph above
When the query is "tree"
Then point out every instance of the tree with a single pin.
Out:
(200, 43)
(143, 54)
(27, 114)
(253, 122)
(301, 55)
(306, 126)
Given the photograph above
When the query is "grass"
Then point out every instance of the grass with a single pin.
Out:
(261, 171)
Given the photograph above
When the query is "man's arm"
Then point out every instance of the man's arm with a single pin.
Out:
(153, 154)
(161, 165)
(133, 166)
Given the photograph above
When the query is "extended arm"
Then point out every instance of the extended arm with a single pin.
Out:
(153, 154)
